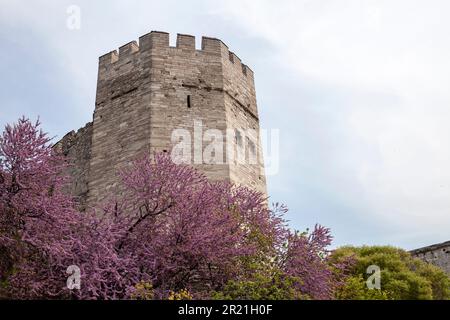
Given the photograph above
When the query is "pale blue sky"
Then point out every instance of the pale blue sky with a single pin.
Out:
(358, 89)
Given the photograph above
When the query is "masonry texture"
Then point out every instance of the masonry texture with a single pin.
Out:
(147, 90)
(437, 254)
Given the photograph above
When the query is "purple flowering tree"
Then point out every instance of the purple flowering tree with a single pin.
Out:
(41, 234)
(166, 229)
(187, 232)
(306, 259)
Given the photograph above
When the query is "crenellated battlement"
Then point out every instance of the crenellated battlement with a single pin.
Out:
(128, 49)
(184, 42)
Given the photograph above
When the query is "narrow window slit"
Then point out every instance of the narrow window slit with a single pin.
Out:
(189, 101)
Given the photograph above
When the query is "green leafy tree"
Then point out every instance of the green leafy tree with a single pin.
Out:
(355, 288)
(403, 277)
(261, 286)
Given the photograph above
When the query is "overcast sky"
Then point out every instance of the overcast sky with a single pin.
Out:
(359, 90)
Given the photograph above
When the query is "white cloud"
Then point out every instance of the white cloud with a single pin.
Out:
(390, 58)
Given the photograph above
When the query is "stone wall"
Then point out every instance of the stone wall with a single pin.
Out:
(121, 117)
(146, 90)
(181, 73)
(242, 115)
(438, 254)
(76, 146)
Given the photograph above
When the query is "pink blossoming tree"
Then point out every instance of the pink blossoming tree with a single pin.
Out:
(41, 234)
(167, 229)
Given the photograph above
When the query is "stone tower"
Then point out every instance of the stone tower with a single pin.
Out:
(146, 91)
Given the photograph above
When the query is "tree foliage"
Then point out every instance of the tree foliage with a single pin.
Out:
(41, 234)
(402, 276)
(166, 233)
(277, 286)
